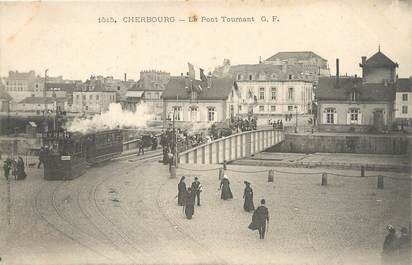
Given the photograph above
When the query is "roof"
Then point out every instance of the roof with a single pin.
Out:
(148, 85)
(5, 95)
(378, 60)
(41, 100)
(93, 85)
(269, 70)
(134, 94)
(327, 90)
(302, 55)
(179, 87)
(404, 85)
(61, 86)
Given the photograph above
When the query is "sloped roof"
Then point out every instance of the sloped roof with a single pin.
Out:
(134, 94)
(62, 86)
(4, 95)
(404, 85)
(268, 70)
(378, 60)
(41, 100)
(148, 85)
(180, 87)
(327, 90)
(301, 55)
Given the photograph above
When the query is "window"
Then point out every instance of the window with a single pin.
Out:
(290, 108)
(290, 93)
(211, 113)
(97, 97)
(240, 107)
(404, 109)
(262, 93)
(354, 116)
(405, 97)
(354, 96)
(330, 116)
(250, 77)
(90, 97)
(272, 108)
(84, 97)
(177, 113)
(273, 93)
(193, 112)
(290, 77)
(239, 77)
(261, 108)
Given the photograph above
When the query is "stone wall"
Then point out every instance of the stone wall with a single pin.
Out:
(344, 143)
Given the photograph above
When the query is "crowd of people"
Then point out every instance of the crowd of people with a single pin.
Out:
(15, 167)
(187, 197)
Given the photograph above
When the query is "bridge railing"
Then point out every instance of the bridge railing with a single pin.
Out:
(232, 147)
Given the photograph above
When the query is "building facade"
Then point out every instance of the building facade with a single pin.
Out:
(358, 104)
(200, 103)
(403, 101)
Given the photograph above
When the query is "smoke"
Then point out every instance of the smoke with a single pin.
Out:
(114, 118)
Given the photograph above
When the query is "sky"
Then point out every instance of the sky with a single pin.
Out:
(66, 38)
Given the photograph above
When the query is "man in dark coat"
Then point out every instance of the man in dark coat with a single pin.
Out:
(141, 147)
(189, 203)
(6, 168)
(41, 157)
(259, 219)
(181, 192)
(197, 188)
(390, 246)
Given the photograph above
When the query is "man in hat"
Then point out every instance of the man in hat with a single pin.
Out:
(390, 246)
(141, 147)
(196, 189)
(259, 219)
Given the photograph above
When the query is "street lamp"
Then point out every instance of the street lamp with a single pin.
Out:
(296, 112)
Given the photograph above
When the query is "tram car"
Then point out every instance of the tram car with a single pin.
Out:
(66, 155)
(103, 145)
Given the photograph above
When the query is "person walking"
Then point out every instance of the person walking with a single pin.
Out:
(390, 246)
(189, 203)
(41, 156)
(225, 187)
(141, 147)
(259, 219)
(248, 205)
(404, 244)
(181, 192)
(197, 189)
(6, 168)
(21, 174)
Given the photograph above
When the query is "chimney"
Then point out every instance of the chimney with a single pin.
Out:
(363, 60)
(209, 80)
(125, 77)
(337, 72)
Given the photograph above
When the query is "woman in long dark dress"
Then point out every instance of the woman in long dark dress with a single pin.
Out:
(225, 187)
(248, 196)
(189, 203)
(181, 192)
(20, 169)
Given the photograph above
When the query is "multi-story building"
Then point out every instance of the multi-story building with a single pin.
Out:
(358, 104)
(37, 105)
(92, 98)
(403, 101)
(148, 90)
(200, 103)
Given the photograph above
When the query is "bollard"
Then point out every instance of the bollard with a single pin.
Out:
(225, 165)
(362, 170)
(271, 175)
(221, 173)
(172, 172)
(380, 182)
(324, 179)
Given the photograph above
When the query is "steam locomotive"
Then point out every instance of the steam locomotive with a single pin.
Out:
(66, 155)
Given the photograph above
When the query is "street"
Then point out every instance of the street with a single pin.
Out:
(125, 212)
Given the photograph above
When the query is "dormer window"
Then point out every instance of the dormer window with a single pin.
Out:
(354, 96)
(239, 76)
(250, 77)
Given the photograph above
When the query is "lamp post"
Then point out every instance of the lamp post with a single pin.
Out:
(45, 121)
(296, 114)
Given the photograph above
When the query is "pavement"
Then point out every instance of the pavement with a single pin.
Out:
(125, 212)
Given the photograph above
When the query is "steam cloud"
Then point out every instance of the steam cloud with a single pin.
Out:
(114, 118)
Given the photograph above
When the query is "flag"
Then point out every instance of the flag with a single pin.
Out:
(202, 75)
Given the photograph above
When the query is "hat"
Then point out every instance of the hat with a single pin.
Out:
(390, 228)
(225, 176)
(262, 201)
(196, 178)
(246, 182)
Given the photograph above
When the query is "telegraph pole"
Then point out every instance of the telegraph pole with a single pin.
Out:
(46, 125)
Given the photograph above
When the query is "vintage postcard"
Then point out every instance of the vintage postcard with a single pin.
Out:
(206, 132)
